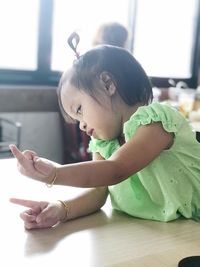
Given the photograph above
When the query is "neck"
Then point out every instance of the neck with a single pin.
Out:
(129, 111)
(121, 139)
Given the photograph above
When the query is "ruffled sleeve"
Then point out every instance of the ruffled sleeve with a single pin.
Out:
(104, 148)
(170, 118)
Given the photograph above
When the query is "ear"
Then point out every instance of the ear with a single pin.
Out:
(108, 83)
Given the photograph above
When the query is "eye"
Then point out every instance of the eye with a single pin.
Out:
(78, 110)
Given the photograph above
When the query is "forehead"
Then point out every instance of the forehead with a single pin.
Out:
(70, 93)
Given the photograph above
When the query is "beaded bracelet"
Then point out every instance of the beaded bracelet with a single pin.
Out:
(53, 180)
(64, 204)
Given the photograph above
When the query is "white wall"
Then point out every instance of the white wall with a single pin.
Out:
(41, 132)
(37, 111)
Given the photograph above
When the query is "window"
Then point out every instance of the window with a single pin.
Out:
(164, 40)
(34, 50)
(19, 34)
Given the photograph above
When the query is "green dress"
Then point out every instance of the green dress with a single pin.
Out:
(169, 187)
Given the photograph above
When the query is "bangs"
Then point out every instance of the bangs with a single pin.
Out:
(67, 118)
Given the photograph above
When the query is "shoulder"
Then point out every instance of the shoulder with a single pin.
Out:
(169, 117)
(156, 110)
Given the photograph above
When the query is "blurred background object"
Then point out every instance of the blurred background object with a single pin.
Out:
(112, 33)
(10, 133)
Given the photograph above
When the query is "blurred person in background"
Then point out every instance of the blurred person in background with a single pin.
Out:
(112, 33)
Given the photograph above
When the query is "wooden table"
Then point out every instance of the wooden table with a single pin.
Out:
(107, 238)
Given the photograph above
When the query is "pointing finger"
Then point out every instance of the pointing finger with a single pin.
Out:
(17, 153)
(24, 202)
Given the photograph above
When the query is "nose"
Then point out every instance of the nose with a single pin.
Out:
(82, 126)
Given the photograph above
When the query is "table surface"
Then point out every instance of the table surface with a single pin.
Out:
(106, 238)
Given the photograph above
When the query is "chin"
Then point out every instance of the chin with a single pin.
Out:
(105, 137)
(101, 138)
(108, 138)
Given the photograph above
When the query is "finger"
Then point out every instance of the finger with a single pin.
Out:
(26, 217)
(29, 154)
(25, 202)
(36, 225)
(44, 167)
(43, 216)
(17, 153)
(31, 225)
(31, 212)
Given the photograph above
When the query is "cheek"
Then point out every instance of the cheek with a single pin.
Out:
(110, 125)
(63, 102)
(100, 114)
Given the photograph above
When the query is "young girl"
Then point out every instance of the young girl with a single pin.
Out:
(145, 155)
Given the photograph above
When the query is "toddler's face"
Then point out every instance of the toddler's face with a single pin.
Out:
(95, 116)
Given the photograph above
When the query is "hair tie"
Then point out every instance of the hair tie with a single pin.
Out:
(73, 41)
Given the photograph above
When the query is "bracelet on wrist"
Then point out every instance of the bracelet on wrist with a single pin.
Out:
(53, 180)
(65, 206)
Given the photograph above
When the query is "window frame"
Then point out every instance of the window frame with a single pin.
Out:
(45, 76)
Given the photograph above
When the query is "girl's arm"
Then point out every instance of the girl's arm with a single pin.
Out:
(147, 143)
(88, 202)
(43, 214)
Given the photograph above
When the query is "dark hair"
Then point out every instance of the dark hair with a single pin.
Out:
(129, 77)
(112, 34)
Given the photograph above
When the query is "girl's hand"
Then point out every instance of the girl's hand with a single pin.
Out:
(29, 164)
(41, 214)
